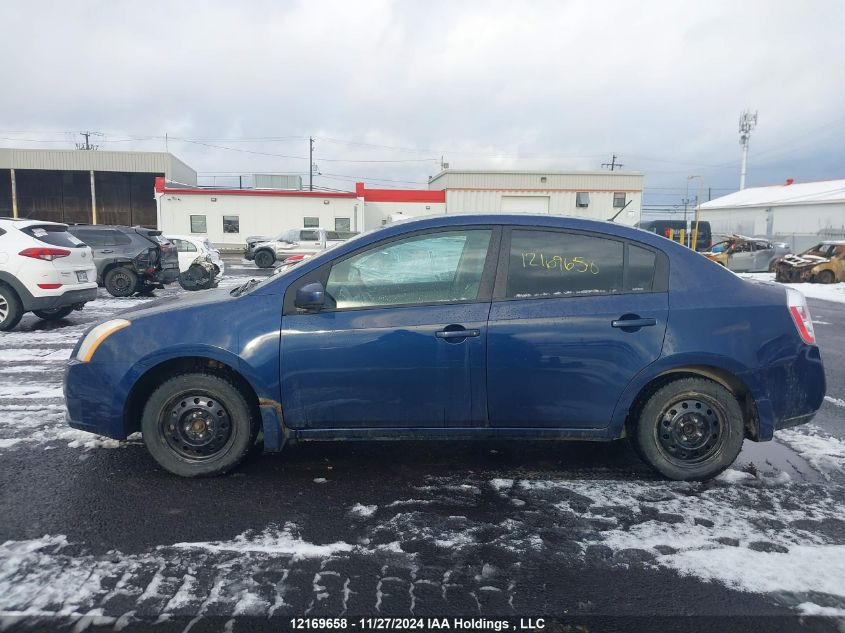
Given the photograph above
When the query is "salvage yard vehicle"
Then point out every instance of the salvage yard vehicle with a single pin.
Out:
(302, 241)
(43, 270)
(747, 254)
(190, 247)
(462, 327)
(129, 259)
(824, 264)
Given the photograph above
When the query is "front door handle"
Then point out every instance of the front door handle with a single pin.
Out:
(107, 251)
(632, 323)
(457, 333)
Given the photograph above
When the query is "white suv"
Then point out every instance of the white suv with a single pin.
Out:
(43, 269)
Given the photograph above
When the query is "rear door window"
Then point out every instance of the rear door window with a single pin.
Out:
(53, 235)
(557, 264)
(563, 264)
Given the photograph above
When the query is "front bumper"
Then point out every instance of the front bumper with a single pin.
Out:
(94, 398)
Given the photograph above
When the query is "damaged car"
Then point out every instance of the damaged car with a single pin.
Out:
(823, 264)
(747, 254)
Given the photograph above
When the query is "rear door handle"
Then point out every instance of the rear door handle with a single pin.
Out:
(457, 333)
(626, 323)
(107, 251)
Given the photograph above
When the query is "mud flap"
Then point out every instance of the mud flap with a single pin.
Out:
(273, 425)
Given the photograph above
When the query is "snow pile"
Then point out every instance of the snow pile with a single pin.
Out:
(270, 541)
(825, 292)
(824, 453)
(360, 510)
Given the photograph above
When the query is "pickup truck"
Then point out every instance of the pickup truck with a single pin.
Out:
(266, 251)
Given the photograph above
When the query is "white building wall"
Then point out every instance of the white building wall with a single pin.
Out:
(559, 203)
(257, 215)
(375, 213)
(800, 225)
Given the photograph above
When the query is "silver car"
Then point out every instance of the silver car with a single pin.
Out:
(747, 254)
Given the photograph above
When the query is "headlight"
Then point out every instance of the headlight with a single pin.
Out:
(98, 335)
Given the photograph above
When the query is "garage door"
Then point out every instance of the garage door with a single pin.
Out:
(525, 204)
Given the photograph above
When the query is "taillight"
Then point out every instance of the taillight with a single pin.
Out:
(47, 254)
(800, 311)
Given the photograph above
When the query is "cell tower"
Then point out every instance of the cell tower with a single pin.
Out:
(747, 122)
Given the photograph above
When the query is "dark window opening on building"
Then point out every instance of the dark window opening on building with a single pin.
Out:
(582, 199)
(619, 200)
(231, 224)
(198, 224)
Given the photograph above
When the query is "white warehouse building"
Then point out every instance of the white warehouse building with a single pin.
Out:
(800, 214)
(228, 216)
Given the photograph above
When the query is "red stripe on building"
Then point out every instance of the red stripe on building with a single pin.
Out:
(400, 195)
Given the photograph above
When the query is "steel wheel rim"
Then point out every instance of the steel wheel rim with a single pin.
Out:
(121, 281)
(4, 308)
(196, 426)
(691, 430)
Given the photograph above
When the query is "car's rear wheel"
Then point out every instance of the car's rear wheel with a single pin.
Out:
(197, 425)
(120, 282)
(11, 309)
(826, 277)
(690, 429)
(264, 259)
(54, 314)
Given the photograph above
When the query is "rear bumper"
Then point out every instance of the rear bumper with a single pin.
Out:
(796, 391)
(68, 298)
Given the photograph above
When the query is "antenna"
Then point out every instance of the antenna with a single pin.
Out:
(612, 165)
(87, 145)
(747, 122)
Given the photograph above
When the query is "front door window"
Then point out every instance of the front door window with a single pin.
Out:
(435, 268)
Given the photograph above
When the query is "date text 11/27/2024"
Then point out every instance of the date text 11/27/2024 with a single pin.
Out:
(418, 624)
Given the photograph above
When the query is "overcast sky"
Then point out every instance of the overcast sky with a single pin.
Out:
(522, 85)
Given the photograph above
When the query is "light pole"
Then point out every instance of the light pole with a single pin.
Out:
(698, 200)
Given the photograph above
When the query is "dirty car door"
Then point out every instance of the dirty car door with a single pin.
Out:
(401, 341)
(573, 320)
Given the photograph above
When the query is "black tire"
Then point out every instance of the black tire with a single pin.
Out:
(198, 425)
(54, 314)
(826, 277)
(11, 309)
(690, 429)
(120, 282)
(264, 259)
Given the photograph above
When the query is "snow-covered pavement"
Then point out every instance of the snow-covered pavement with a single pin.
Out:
(94, 534)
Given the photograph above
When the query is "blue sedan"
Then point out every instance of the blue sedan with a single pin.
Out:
(460, 328)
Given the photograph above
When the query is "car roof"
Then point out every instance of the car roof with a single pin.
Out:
(20, 223)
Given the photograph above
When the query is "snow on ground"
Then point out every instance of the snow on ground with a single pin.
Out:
(826, 292)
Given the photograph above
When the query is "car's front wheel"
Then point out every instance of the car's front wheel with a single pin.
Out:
(690, 429)
(826, 277)
(120, 282)
(264, 259)
(198, 424)
(11, 309)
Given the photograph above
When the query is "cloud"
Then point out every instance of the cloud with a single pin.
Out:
(484, 84)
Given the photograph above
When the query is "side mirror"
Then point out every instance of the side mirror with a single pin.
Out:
(311, 296)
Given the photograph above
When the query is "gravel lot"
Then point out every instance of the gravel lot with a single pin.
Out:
(95, 534)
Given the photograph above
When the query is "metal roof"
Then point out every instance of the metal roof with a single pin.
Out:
(88, 160)
(822, 192)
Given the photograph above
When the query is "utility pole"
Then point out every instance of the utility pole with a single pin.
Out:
(613, 164)
(87, 145)
(747, 122)
(310, 163)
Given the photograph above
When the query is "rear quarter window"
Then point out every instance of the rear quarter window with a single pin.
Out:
(53, 235)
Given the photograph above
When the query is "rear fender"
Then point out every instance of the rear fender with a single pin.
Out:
(713, 366)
